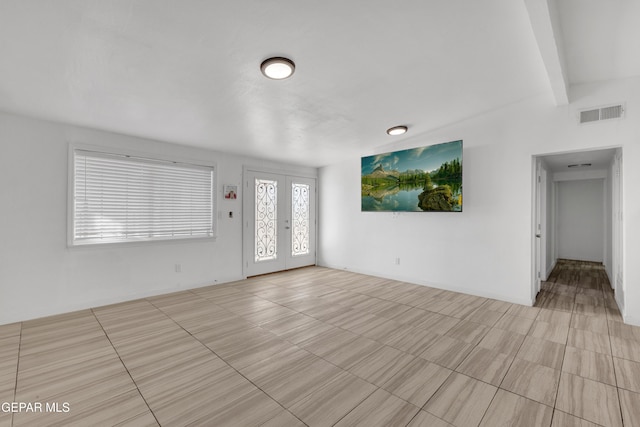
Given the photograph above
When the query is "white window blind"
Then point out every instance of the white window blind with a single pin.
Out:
(121, 198)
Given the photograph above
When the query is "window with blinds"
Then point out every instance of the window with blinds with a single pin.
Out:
(119, 198)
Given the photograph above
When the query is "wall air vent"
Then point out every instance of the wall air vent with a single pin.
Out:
(589, 116)
(613, 112)
(604, 113)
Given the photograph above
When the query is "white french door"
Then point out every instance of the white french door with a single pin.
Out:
(279, 216)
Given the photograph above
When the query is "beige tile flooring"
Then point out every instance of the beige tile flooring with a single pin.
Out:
(323, 347)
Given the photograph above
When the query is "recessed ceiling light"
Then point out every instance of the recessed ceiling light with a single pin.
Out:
(277, 68)
(397, 130)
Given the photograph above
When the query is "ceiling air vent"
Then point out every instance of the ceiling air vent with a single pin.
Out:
(604, 113)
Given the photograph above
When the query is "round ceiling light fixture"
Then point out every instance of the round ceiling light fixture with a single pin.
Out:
(277, 68)
(397, 130)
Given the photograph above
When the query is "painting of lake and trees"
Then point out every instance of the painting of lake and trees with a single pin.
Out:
(424, 179)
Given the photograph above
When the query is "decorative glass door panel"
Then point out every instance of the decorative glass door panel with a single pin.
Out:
(266, 217)
(279, 222)
(300, 220)
(301, 207)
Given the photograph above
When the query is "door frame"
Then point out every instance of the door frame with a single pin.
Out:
(246, 239)
(617, 232)
(540, 226)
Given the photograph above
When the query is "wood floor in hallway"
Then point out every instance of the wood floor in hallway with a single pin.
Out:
(323, 347)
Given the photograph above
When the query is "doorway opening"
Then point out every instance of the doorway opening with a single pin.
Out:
(577, 206)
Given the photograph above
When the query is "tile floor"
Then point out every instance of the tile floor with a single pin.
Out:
(322, 347)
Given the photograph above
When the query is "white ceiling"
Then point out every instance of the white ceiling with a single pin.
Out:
(601, 39)
(599, 160)
(188, 71)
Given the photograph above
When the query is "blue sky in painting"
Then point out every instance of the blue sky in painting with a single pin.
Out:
(425, 158)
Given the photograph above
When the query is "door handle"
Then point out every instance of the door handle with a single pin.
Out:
(538, 235)
(286, 228)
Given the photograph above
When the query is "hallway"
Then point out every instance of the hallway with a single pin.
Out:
(601, 353)
(581, 287)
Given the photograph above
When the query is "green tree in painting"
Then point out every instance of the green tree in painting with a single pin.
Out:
(428, 185)
(449, 171)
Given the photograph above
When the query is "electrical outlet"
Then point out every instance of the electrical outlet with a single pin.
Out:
(397, 260)
(178, 268)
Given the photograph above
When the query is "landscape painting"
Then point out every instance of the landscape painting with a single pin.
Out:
(424, 179)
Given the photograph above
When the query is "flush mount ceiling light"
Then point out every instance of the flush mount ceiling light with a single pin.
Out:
(397, 130)
(277, 68)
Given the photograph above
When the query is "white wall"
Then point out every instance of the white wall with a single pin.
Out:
(581, 220)
(40, 276)
(487, 249)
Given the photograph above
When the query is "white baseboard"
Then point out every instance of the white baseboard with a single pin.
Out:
(548, 272)
(100, 302)
(631, 320)
(461, 289)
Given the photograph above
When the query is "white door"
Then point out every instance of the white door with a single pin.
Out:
(538, 229)
(279, 222)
